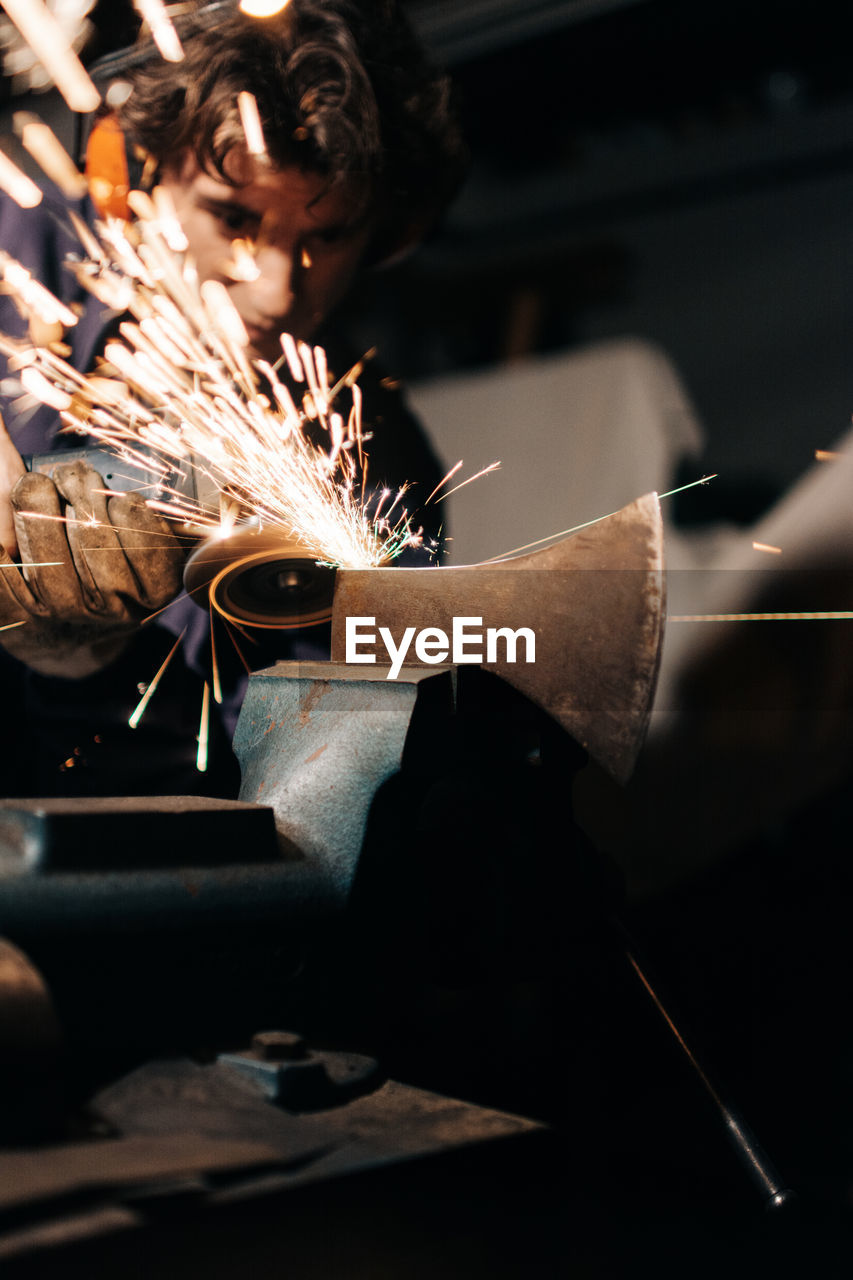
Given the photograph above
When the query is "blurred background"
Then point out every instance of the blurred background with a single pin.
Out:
(676, 173)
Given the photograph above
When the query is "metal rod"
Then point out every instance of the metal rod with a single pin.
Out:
(750, 1152)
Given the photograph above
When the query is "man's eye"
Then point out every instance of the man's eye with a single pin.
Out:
(236, 221)
(329, 236)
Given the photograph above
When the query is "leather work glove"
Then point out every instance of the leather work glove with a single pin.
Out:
(11, 469)
(94, 567)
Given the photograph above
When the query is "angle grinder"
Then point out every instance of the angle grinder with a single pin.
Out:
(252, 577)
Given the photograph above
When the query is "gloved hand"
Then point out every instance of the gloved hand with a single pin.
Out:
(11, 469)
(94, 567)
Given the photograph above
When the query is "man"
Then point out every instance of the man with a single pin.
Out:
(362, 155)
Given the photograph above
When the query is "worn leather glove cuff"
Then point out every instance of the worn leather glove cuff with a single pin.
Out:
(93, 567)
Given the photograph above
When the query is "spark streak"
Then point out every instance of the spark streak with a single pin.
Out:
(263, 8)
(247, 104)
(493, 466)
(214, 662)
(44, 35)
(451, 473)
(34, 298)
(551, 537)
(37, 385)
(43, 145)
(230, 627)
(149, 692)
(203, 731)
(670, 493)
(17, 185)
(163, 33)
(837, 616)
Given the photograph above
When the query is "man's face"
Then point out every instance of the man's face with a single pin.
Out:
(308, 243)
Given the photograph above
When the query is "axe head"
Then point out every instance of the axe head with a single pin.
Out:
(594, 601)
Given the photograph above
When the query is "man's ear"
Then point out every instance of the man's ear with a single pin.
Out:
(115, 166)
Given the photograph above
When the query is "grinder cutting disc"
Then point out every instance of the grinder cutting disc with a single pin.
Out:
(260, 579)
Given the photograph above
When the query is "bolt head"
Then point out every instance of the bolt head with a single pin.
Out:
(279, 1046)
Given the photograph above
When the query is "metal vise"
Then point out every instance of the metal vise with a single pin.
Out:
(432, 807)
(422, 804)
(318, 741)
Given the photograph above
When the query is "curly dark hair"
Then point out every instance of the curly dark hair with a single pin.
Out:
(343, 89)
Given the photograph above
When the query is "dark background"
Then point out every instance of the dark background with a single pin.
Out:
(674, 171)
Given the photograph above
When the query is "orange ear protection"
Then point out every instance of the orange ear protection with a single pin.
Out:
(110, 162)
(107, 168)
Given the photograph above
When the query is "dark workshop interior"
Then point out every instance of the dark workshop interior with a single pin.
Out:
(675, 1028)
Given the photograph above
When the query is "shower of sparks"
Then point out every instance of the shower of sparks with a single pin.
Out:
(43, 145)
(45, 36)
(17, 185)
(840, 616)
(765, 546)
(152, 687)
(163, 33)
(178, 397)
(826, 455)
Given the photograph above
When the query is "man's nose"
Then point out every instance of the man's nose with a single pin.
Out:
(272, 291)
